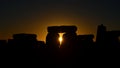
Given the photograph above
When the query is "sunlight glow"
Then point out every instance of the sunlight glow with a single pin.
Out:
(60, 38)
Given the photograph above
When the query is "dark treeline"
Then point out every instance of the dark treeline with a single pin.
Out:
(75, 50)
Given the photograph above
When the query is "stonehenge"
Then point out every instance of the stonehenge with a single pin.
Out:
(53, 34)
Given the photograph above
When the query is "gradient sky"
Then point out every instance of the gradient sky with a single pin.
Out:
(34, 16)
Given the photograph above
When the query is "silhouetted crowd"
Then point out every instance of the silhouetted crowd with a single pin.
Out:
(75, 50)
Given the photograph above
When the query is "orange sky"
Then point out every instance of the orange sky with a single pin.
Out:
(23, 16)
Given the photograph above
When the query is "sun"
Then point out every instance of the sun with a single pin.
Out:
(60, 38)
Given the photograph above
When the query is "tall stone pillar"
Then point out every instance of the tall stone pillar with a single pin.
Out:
(101, 35)
(69, 36)
(52, 44)
(69, 42)
(52, 40)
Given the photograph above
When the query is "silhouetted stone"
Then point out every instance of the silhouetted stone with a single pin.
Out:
(107, 39)
(52, 37)
(10, 44)
(23, 36)
(62, 29)
(3, 43)
(85, 41)
(54, 29)
(69, 40)
(112, 39)
(68, 29)
(41, 45)
(52, 40)
(68, 46)
(101, 34)
(25, 40)
(75, 49)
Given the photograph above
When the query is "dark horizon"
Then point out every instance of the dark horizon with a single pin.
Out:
(102, 34)
(75, 50)
(94, 36)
